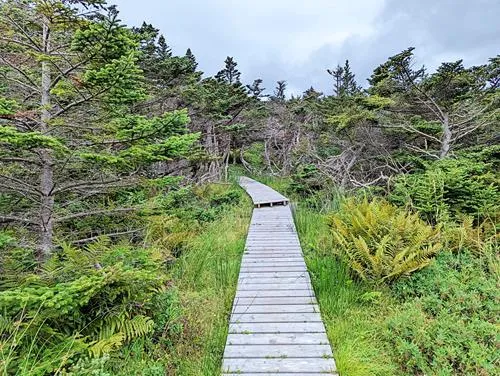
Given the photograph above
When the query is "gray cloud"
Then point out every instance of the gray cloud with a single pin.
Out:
(298, 40)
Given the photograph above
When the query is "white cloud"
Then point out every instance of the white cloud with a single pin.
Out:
(297, 40)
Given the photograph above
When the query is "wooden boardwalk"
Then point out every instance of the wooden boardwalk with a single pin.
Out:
(275, 327)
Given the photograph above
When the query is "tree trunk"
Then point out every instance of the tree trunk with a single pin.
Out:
(446, 138)
(47, 173)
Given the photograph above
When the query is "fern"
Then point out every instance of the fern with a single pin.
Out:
(381, 242)
(107, 345)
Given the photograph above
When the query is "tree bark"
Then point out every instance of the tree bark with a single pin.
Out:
(446, 138)
(47, 169)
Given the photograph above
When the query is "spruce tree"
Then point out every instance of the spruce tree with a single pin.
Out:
(344, 81)
(442, 109)
(229, 74)
(163, 50)
(338, 80)
(66, 131)
(192, 60)
(279, 91)
(255, 90)
(349, 81)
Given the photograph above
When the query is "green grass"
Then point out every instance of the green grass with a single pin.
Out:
(206, 276)
(352, 311)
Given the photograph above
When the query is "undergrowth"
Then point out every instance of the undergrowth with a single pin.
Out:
(151, 307)
(440, 320)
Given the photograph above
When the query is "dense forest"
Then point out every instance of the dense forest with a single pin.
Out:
(122, 225)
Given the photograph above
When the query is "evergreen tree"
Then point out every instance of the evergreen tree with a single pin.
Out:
(255, 90)
(441, 109)
(344, 82)
(67, 135)
(279, 91)
(163, 70)
(312, 94)
(147, 34)
(229, 74)
(192, 59)
(349, 81)
(163, 50)
(338, 80)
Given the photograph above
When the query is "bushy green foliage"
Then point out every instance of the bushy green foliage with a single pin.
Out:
(446, 324)
(306, 180)
(7, 106)
(381, 242)
(202, 204)
(449, 188)
(254, 155)
(89, 301)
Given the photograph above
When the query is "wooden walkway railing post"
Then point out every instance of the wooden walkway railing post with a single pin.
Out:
(276, 326)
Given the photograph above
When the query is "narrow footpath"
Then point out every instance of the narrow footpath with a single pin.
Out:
(276, 326)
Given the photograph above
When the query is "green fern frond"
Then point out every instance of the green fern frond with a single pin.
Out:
(106, 345)
(381, 242)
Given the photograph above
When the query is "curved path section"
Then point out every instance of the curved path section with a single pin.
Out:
(275, 326)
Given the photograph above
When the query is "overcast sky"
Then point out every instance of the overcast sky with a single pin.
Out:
(297, 40)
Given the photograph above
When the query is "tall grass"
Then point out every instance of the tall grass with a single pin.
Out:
(351, 310)
(206, 275)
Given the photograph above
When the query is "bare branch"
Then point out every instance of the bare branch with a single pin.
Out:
(20, 160)
(87, 240)
(9, 218)
(33, 45)
(423, 151)
(95, 212)
(26, 187)
(81, 101)
(91, 184)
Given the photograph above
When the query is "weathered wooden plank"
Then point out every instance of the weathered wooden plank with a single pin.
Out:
(262, 365)
(274, 274)
(275, 339)
(282, 301)
(274, 293)
(273, 281)
(251, 307)
(271, 266)
(277, 327)
(274, 286)
(272, 259)
(264, 264)
(263, 254)
(273, 270)
(275, 317)
(283, 351)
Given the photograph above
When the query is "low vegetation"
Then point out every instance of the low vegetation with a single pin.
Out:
(129, 308)
(384, 317)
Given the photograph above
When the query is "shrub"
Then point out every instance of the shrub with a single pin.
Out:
(446, 322)
(306, 180)
(381, 242)
(254, 155)
(450, 188)
(89, 301)
(230, 197)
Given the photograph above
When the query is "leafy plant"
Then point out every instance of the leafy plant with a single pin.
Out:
(381, 242)
(450, 188)
(445, 324)
(83, 302)
(306, 180)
